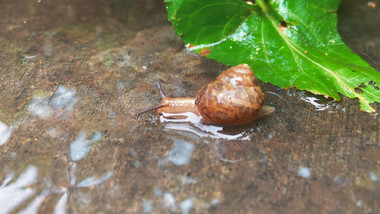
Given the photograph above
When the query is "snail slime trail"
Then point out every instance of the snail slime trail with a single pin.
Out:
(234, 98)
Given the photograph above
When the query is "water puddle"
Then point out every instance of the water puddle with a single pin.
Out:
(227, 143)
(193, 124)
(320, 103)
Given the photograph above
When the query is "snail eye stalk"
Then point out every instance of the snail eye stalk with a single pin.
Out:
(150, 109)
(163, 95)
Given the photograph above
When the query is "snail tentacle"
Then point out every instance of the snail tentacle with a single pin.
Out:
(150, 109)
(163, 95)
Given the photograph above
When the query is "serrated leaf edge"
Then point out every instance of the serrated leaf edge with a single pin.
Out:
(296, 48)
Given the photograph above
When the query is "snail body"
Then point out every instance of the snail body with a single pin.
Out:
(234, 98)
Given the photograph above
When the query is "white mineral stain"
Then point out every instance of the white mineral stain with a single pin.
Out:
(304, 172)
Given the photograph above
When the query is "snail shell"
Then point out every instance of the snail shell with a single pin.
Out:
(233, 98)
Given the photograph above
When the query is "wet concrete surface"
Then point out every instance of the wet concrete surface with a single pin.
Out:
(73, 75)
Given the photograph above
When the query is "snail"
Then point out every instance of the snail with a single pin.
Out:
(234, 98)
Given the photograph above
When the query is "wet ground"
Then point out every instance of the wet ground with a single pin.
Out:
(73, 75)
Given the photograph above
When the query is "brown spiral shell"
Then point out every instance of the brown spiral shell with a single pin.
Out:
(233, 98)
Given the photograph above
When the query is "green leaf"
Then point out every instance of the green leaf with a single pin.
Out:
(287, 43)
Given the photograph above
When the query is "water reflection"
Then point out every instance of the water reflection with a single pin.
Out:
(319, 102)
(192, 123)
(92, 181)
(147, 206)
(233, 150)
(181, 153)
(14, 193)
(186, 205)
(80, 147)
(109, 88)
(304, 172)
(373, 176)
(63, 98)
(39, 106)
(5, 133)
(61, 206)
(168, 201)
(227, 143)
(35, 204)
